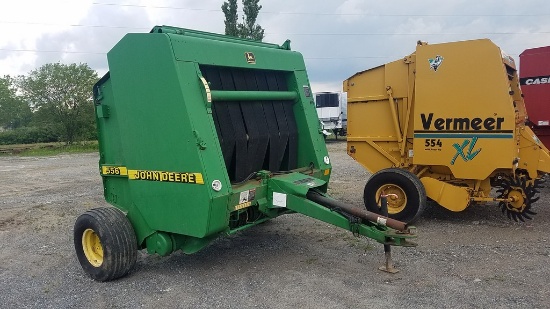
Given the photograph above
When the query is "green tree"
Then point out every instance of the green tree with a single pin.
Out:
(248, 29)
(229, 9)
(62, 94)
(14, 111)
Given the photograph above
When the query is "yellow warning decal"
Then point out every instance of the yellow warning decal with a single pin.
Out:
(114, 170)
(243, 205)
(166, 176)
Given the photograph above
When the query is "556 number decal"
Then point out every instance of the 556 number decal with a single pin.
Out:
(114, 170)
(433, 143)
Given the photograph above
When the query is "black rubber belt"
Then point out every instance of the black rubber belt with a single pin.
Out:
(253, 135)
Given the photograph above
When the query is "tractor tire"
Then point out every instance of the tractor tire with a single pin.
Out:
(411, 195)
(105, 243)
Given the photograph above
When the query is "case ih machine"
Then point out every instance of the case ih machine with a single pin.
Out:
(534, 77)
(447, 123)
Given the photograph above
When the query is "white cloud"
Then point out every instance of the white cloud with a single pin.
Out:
(25, 21)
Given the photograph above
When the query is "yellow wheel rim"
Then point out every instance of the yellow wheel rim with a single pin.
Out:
(396, 202)
(93, 250)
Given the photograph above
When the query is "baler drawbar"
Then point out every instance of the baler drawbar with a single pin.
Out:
(203, 135)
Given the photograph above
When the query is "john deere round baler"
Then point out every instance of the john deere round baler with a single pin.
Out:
(203, 135)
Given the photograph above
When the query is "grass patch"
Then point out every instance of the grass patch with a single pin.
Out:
(48, 149)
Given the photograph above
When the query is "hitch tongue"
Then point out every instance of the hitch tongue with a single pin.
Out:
(358, 212)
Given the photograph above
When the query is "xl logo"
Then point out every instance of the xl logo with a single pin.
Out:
(470, 154)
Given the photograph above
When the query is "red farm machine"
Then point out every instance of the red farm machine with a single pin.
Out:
(535, 85)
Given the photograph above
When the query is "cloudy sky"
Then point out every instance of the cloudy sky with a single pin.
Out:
(337, 38)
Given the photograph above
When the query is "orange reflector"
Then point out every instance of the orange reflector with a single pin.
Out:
(327, 171)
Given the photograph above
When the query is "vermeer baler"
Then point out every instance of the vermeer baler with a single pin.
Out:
(202, 135)
(446, 123)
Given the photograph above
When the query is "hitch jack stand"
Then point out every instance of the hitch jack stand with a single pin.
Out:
(388, 267)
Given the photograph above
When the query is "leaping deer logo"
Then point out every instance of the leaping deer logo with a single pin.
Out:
(250, 58)
(435, 62)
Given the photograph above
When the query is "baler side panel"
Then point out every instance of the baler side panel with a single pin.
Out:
(205, 135)
(109, 148)
(463, 105)
(115, 188)
(148, 89)
(311, 147)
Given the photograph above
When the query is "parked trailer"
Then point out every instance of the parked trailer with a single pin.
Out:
(196, 143)
(332, 112)
(534, 77)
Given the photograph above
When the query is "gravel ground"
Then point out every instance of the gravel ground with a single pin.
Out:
(473, 259)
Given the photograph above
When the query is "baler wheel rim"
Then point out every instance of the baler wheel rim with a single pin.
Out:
(93, 250)
(395, 204)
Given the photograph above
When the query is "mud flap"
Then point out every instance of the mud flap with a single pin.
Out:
(451, 197)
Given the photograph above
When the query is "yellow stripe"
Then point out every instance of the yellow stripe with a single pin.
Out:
(198, 178)
(163, 176)
(132, 174)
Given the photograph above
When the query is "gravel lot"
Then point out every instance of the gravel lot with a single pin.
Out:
(473, 259)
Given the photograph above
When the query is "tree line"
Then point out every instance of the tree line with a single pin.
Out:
(49, 104)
